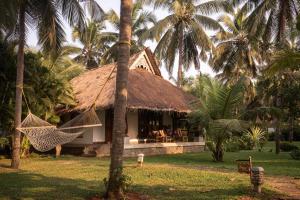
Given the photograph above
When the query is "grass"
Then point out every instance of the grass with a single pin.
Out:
(162, 177)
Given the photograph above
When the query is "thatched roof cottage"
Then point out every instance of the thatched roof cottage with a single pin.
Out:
(156, 109)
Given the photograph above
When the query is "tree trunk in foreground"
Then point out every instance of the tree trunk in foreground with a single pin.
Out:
(19, 87)
(277, 138)
(291, 133)
(114, 188)
(278, 128)
(180, 59)
(218, 153)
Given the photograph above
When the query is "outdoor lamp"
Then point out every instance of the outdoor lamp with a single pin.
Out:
(140, 159)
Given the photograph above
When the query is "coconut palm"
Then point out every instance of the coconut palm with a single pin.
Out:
(183, 33)
(219, 113)
(287, 59)
(140, 21)
(8, 18)
(62, 64)
(283, 60)
(116, 177)
(237, 53)
(277, 17)
(95, 42)
(45, 15)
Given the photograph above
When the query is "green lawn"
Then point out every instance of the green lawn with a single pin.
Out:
(186, 176)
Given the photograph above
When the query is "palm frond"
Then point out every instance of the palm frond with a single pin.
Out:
(213, 6)
(283, 60)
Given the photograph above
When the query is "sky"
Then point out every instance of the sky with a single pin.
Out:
(115, 4)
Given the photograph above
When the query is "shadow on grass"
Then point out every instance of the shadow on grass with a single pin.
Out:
(24, 185)
(168, 193)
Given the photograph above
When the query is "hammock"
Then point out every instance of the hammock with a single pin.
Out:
(44, 136)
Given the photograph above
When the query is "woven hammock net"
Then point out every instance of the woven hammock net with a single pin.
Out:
(44, 136)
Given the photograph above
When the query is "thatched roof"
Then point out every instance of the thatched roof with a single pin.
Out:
(146, 90)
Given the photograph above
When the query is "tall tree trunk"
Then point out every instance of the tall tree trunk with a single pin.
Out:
(114, 189)
(278, 128)
(277, 137)
(291, 133)
(19, 87)
(180, 62)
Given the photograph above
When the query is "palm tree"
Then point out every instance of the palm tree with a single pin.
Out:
(279, 91)
(46, 16)
(140, 22)
(276, 17)
(182, 32)
(219, 113)
(62, 63)
(237, 53)
(116, 181)
(95, 42)
(8, 17)
(287, 58)
(281, 77)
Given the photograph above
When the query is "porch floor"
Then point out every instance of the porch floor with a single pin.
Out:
(163, 145)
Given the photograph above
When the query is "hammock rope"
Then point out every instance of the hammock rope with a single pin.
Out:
(44, 136)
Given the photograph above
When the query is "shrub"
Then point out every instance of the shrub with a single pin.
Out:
(4, 142)
(5, 145)
(286, 131)
(295, 154)
(286, 147)
(233, 147)
(255, 137)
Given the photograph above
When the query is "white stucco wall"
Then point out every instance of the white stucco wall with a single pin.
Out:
(96, 134)
(86, 138)
(132, 120)
(99, 132)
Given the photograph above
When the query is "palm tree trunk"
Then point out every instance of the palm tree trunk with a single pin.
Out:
(278, 128)
(219, 152)
(291, 133)
(114, 188)
(19, 86)
(180, 62)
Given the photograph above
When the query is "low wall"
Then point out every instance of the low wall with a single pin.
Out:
(132, 150)
(163, 148)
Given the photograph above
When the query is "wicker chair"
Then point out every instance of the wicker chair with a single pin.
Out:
(182, 135)
(159, 136)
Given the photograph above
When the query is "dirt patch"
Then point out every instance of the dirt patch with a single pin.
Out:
(288, 185)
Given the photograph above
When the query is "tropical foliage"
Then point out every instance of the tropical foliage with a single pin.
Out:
(219, 113)
(277, 25)
(237, 54)
(256, 137)
(95, 43)
(46, 87)
(252, 45)
(141, 19)
(182, 33)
